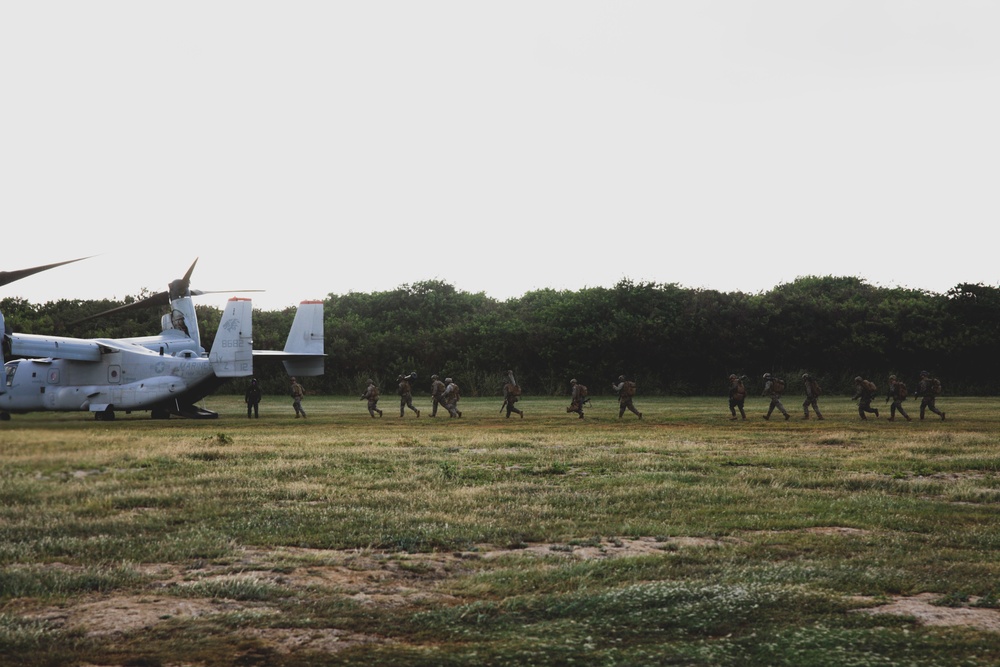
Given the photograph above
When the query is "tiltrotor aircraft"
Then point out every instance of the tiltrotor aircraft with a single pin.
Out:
(165, 374)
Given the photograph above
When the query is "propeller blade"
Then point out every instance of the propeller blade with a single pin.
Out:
(158, 299)
(7, 277)
(198, 292)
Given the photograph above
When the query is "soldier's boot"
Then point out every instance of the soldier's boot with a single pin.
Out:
(418, 413)
(380, 414)
(876, 413)
(787, 416)
(942, 415)
(640, 416)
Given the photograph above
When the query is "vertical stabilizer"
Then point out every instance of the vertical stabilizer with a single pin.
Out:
(305, 341)
(232, 351)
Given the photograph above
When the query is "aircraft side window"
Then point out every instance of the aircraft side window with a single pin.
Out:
(10, 369)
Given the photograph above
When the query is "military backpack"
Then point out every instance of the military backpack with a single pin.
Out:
(629, 388)
(777, 385)
(935, 387)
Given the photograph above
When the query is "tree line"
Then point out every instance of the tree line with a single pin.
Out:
(672, 340)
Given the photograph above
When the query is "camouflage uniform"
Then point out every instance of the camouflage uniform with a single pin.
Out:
(450, 398)
(897, 394)
(925, 390)
(511, 395)
(577, 399)
(252, 398)
(371, 395)
(771, 389)
(812, 394)
(437, 391)
(405, 395)
(737, 396)
(864, 392)
(297, 393)
(624, 397)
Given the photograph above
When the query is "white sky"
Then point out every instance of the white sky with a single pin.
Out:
(306, 148)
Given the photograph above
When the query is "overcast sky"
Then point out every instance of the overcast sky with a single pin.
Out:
(308, 148)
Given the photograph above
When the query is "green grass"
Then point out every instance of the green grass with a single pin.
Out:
(681, 539)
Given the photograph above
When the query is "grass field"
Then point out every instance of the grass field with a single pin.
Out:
(681, 539)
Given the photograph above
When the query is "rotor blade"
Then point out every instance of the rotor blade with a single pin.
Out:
(198, 292)
(182, 286)
(158, 299)
(7, 277)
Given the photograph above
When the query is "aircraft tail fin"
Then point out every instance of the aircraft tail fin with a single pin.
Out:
(304, 347)
(232, 351)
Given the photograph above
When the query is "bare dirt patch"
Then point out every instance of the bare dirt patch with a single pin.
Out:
(920, 608)
(116, 615)
(379, 579)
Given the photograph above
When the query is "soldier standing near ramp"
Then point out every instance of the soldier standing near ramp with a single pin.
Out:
(773, 387)
(626, 390)
(511, 395)
(371, 395)
(406, 394)
(813, 391)
(437, 392)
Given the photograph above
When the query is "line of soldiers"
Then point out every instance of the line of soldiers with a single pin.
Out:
(928, 388)
(447, 394)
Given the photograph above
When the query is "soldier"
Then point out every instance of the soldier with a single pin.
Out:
(437, 391)
(252, 398)
(928, 389)
(511, 395)
(897, 394)
(813, 391)
(578, 398)
(626, 390)
(297, 393)
(737, 395)
(371, 395)
(405, 394)
(864, 392)
(773, 387)
(450, 398)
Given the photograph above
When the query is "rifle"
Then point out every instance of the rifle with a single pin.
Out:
(504, 404)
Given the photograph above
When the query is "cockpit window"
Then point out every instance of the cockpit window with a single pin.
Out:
(9, 369)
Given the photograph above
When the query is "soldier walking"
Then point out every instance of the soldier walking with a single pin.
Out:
(577, 398)
(437, 392)
(864, 392)
(773, 387)
(813, 390)
(511, 395)
(626, 391)
(371, 395)
(928, 390)
(297, 393)
(450, 398)
(737, 396)
(406, 394)
(897, 394)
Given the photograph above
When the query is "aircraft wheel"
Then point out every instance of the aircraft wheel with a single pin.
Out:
(4, 416)
(107, 415)
(159, 414)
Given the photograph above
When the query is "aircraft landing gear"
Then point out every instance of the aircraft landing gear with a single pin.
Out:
(106, 415)
(4, 416)
(159, 413)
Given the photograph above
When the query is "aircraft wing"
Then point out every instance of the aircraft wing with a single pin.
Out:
(56, 347)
